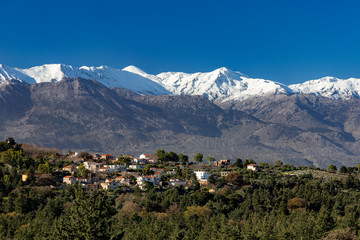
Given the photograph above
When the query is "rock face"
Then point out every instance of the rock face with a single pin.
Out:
(85, 115)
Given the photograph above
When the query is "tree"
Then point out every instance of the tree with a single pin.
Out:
(44, 168)
(88, 218)
(343, 169)
(10, 141)
(234, 178)
(83, 172)
(123, 160)
(239, 163)
(161, 155)
(210, 159)
(184, 159)
(343, 234)
(332, 168)
(198, 157)
(85, 156)
(13, 157)
(173, 157)
(278, 163)
(249, 161)
(324, 222)
(147, 170)
(296, 203)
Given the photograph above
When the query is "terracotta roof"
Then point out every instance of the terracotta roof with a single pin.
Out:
(68, 176)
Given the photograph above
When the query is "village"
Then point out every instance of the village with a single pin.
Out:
(109, 172)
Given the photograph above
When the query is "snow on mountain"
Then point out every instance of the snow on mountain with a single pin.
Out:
(108, 76)
(8, 74)
(138, 71)
(220, 85)
(330, 87)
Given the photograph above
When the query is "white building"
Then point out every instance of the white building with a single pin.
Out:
(122, 180)
(145, 156)
(202, 175)
(114, 168)
(177, 182)
(140, 160)
(92, 166)
(252, 167)
(154, 179)
(109, 184)
(135, 167)
(70, 180)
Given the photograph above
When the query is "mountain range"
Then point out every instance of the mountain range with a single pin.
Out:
(222, 113)
(220, 85)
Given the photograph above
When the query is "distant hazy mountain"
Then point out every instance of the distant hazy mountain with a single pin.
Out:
(221, 85)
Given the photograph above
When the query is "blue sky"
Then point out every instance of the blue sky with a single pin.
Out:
(285, 41)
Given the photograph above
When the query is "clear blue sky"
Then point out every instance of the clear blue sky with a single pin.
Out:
(286, 41)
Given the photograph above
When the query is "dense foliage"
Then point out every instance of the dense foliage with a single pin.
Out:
(271, 204)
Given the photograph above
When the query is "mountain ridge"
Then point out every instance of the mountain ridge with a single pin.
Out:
(221, 85)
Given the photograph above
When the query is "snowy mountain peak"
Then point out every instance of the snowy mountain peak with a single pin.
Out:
(8, 74)
(219, 85)
(330, 87)
(226, 71)
(134, 69)
(108, 76)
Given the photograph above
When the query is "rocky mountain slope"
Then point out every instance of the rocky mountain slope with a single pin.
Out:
(85, 115)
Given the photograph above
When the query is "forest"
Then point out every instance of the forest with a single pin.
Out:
(280, 202)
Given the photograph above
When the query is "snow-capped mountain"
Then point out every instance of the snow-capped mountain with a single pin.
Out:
(8, 74)
(110, 77)
(220, 85)
(330, 87)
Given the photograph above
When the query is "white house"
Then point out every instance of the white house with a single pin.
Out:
(70, 180)
(140, 160)
(104, 169)
(145, 156)
(71, 169)
(202, 175)
(173, 172)
(92, 166)
(154, 179)
(74, 154)
(109, 184)
(114, 168)
(135, 167)
(252, 167)
(176, 182)
(122, 180)
(82, 180)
